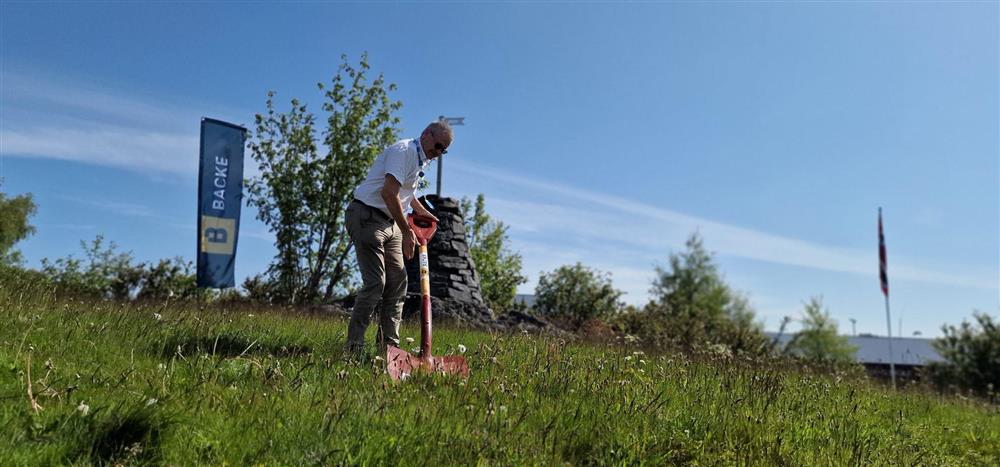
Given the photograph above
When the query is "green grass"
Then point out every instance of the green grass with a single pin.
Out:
(249, 387)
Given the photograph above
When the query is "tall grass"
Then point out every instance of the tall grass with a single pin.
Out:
(177, 384)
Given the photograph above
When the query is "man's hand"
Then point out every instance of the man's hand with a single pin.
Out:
(409, 242)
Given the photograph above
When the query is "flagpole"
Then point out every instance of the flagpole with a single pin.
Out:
(884, 279)
(892, 361)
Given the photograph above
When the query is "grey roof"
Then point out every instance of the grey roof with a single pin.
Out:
(527, 299)
(875, 349)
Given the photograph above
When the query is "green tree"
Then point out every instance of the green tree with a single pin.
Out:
(972, 356)
(302, 194)
(499, 268)
(576, 294)
(692, 307)
(818, 340)
(14, 226)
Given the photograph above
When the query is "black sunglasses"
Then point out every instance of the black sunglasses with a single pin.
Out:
(440, 147)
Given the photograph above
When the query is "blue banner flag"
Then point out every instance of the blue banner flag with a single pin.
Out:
(220, 195)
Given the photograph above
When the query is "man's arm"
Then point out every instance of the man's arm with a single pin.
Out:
(390, 194)
(420, 210)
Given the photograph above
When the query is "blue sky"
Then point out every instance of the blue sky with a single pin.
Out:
(599, 132)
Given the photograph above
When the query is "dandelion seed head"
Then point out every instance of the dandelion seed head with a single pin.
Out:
(84, 409)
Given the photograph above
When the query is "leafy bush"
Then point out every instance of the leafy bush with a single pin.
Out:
(818, 339)
(692, 308)
(168, 278)
(14, 226)
(972, 356)
(576, 294)
(104, 272)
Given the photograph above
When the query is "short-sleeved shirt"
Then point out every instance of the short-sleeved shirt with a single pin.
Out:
(406, 162)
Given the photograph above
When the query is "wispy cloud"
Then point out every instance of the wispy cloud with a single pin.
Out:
(129, 148)
(67, 226)
(117, 207)
(54, 118)
(670, 227)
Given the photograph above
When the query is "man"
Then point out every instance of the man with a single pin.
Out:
(382, 237)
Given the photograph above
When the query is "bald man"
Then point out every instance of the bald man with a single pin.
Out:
(382, 238)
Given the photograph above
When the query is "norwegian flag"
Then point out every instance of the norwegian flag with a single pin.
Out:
(882, 266)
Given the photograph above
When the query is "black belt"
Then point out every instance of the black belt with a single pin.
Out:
(373, 208)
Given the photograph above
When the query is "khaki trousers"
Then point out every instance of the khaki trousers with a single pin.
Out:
(378, 243)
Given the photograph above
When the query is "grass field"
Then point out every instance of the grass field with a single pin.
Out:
(171, 384)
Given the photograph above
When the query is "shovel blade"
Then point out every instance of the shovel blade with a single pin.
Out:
(401, 364)
(451, 365)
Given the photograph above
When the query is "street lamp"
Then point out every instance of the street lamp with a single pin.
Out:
(452, 121)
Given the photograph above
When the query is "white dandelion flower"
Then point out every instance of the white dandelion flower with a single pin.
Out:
(409, 340)
(157, 316)
(84, 409)
(461, 348)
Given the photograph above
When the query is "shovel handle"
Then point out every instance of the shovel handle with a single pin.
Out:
(425, 304)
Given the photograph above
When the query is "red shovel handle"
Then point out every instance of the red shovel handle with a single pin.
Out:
(423, 227)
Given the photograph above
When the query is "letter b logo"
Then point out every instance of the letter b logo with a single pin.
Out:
(218, 235)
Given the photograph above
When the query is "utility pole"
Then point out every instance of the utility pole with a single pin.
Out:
(452, 121)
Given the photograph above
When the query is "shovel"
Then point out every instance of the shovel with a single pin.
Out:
(402, 364)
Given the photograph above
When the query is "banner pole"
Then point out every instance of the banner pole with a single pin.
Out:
(892, 361)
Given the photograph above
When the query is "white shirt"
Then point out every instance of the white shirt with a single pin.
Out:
(406, 162)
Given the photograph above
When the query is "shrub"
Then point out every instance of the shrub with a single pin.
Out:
(14, 226)
(576, 294)
(693, 308)
(818, 340)
(972, 356)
